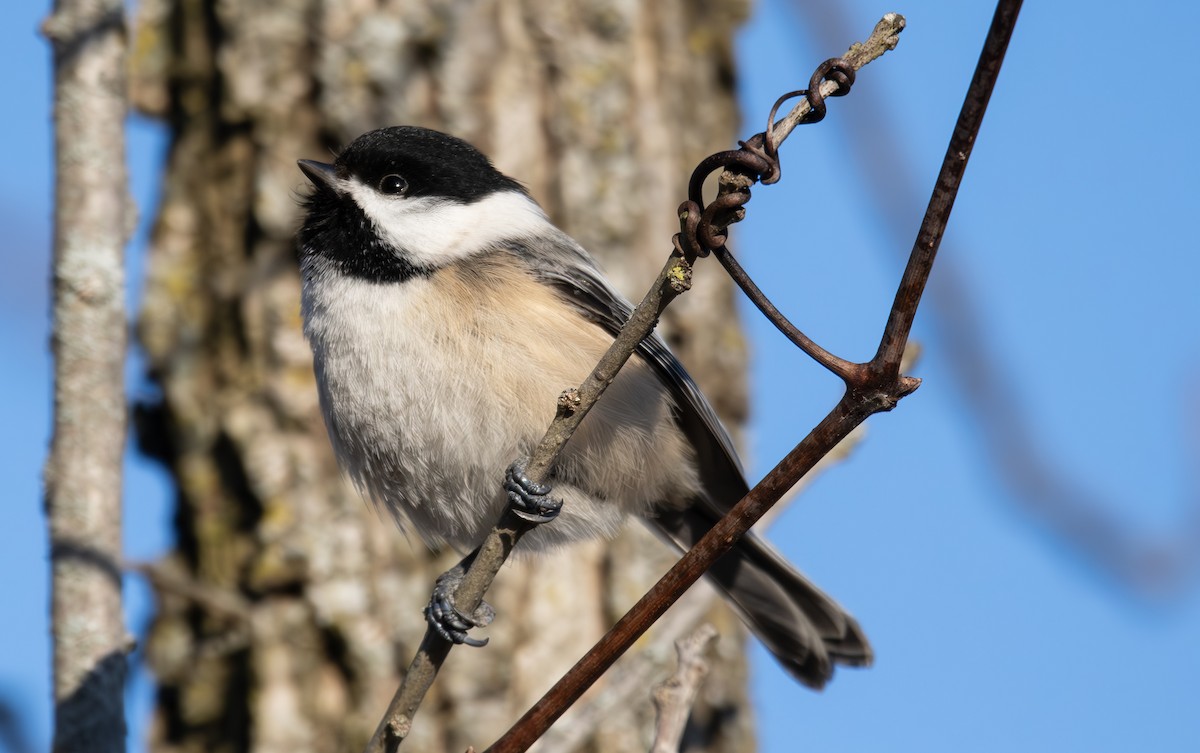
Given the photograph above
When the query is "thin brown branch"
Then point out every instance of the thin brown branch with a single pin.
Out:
(629, 679)
(1149, 567)
(954, 164)
(877, 386)
(884, 38)
(848, 414)
(736, 182)
(838, 366)
(630, 675)
(573, 406)
(83, 471)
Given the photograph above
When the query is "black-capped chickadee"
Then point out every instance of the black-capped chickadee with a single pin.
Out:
(446, 315)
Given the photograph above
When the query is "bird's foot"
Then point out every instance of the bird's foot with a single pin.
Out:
(443, 616)
(529, 499)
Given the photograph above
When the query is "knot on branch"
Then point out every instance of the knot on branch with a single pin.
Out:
(703, 229)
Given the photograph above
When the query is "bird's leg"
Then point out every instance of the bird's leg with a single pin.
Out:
(443, 616)
(529, 499)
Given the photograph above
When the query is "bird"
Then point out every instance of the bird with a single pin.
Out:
(446, 313)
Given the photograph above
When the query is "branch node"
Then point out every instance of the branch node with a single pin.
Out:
(568, 402)
(702, 229)
(680, 276)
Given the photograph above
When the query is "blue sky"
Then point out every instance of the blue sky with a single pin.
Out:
(1072, 242)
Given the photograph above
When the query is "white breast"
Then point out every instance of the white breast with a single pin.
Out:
(427, 403)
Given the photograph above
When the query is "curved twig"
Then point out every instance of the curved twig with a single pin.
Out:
(671, 281)
(873, 387)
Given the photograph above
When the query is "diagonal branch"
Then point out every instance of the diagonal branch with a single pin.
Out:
(631, 675)
(572, 407)
(1149, 568)
(872, 387)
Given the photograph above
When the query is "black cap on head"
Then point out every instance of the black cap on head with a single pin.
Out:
(433, 164)
(407, 161)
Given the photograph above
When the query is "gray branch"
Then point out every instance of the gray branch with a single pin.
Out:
(83, 471)
(673, 699)
(573, 406)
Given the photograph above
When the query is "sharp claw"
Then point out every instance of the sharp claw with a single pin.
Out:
(529, 500)
(445, 619)
(450, 631)
(467, 640)
(534, 518)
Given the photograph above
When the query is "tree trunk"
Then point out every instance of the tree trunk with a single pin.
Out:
(83, 472)
(289, 607)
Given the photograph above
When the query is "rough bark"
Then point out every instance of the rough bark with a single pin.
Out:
(83, 471)
(289, 606)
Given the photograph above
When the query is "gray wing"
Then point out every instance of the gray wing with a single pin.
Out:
(572, 273)
(804, 628)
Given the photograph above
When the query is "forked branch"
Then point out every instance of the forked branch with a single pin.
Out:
(703, 229)
(870, 388)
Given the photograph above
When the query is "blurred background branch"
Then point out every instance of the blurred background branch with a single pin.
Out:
(92, 220)
(579, 101)
(1071, 510)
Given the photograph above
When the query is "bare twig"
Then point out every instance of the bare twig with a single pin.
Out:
(673, 699)
(629, 677)
(870, 388)
(166, 577)
(573, 406)
(83, 472)
(1150, 567)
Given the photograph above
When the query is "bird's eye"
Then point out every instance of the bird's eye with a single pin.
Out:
(392, 184)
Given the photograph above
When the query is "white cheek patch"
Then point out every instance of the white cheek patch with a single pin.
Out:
(435, 232)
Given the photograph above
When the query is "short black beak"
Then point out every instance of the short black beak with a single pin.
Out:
(321, 174)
